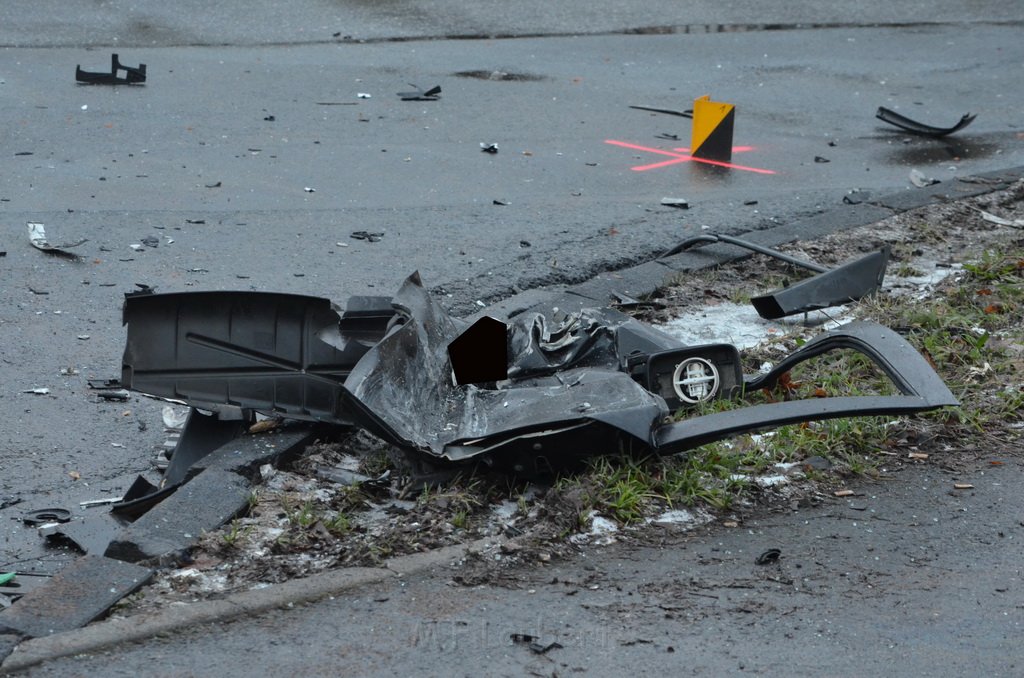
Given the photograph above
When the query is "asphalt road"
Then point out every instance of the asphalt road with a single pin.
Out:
(194, 157)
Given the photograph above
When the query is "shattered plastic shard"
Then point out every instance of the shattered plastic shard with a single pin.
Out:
(37, 236)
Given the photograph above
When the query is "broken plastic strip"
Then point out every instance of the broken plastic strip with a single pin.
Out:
(907, 124)
(754, 247)
(921, 387)
(132, 75)
(688, 113)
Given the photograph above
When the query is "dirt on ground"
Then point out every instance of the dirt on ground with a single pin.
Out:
(350, 501)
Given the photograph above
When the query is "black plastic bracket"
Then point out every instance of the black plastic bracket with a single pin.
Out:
(119, 74)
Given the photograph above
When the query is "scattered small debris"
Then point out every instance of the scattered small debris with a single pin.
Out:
(37, 236)
(37, 391)
(119, 395)
(363, 95)
(844, 493)
(534, 643)
(83, 337)
(920, 180)
(993, 219)
(270, 118)
(679, 203)
(963, 486)
(917, 455)
(769, 556)
(820, 159)
(432, 94)
(216, 185)
(856, 196)
(151, 241)
(367, 236)
(100, 502)
(308, 189)
(491, 148)
(502, 203)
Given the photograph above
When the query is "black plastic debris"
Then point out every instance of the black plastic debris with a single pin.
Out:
(769, 556)
(47, 515)
(577, 386)
(104, 383)
(914, 127)
(119, 395)
(37, 236)
(119, 74)
(491, 148)
(688, 113)
(852, 281)
(417, 94)
(534, 643)
(367, 236)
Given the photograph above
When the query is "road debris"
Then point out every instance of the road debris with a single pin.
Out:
(581, 383)
(913, 126)
(844, 493)
(119, 74)
(680, 203)
(491, 148)
(852, 281)
(769, 556)
(534, 643)
(38, 391)
(367, 236)
(994, 219)
(432, 94)
(688, 113)
(37, 236)
(918, 178)
(48, 515)
(963, 486)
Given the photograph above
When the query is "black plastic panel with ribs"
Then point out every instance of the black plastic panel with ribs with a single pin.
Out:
(277, 353)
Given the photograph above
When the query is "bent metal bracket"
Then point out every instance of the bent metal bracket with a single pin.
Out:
(574, 388)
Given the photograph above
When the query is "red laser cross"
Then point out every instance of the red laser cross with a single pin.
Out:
(679, 155)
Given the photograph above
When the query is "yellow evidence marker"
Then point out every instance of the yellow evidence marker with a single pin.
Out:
(711, 137)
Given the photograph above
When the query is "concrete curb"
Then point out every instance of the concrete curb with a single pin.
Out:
(100, 635)
(636, 281)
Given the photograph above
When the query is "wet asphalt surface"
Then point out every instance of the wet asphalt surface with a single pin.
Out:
(214, 155)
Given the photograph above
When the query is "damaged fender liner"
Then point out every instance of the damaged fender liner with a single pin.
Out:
(579, 387)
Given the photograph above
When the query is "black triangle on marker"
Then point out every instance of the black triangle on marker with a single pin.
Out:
(718, 145)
